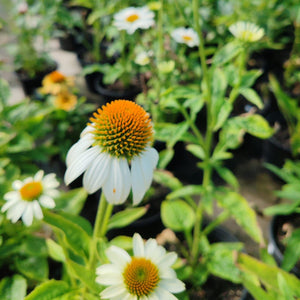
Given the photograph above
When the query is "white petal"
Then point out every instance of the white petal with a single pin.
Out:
(38, 176)
(17, 184)
(37, 211)
(13, 195)
(80, 164)
(138, 245)
(112, 291)
(9, 204)
(96, 174)
(83, 144)
(172, 285)
(150, 246)
(114, 188)
(27, 216)
(126, 176)
(168, 260)
(107, 269)
(16, 211)
(109, 274)
(167, 273)
(47, 201)
(118, 256)
(164, 294)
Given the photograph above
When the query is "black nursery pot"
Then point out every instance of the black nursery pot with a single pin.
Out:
(30, 84)
(274, 247)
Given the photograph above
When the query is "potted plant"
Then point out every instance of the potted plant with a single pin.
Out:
(284, 227)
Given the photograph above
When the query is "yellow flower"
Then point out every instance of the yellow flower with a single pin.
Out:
(65, 101)
(55, 82)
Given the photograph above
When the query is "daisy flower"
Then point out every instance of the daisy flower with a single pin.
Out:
(143, 58)
(133, 18)
(146, 275)
(65, 101)
(186, 36)
(246, 31)
(114, 152)
(29, 195)
(55, 82)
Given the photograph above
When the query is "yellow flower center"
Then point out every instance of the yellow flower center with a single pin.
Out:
(132, 18)
(57, 77)
(186, 38)
(31, 190)
(141, 276)
(122, 128)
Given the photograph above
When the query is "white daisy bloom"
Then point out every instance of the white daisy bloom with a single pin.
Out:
(29, 195)
(147, 275)
(114, 153)
(246, 31)
(186, 36)
(133, 18)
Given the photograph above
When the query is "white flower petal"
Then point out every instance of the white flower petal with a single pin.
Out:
(96, 174)
(164, 294)
(46, 201)
(80, 164)
(27, 215)
(9, 204)
(83, 144)
(113, 187)
(13, 195)
(15, 212)
(37, 211)
(173, 285)
(118, 256)
(168, 260)
(17, 184)
(112, 291)
(138, 245)
(38, 176)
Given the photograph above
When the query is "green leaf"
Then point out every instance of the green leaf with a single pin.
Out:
(188, 190)
(167, 179)
(223, 115)
(34, 246)
(240, 210)
(252, 96)
(84, 275)
(284, 288)
(228, 176)
(249, 78)
(13, 288)
(292, 251)
(268, 275)
(165, 156)
(221, 261)
(49, 290)
(72, 201)
(226, 53)
(122, 241)
(196, 150)
(177, 215)
(77, 238)
(55, 251)
(33, 267)
(126, 217)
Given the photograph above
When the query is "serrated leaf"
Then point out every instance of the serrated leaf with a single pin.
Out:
(252, 96)
(177, 215)
(240, 210)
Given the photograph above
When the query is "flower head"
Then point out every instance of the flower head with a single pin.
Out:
(146, 275)
(65, 101)
(246, 31)
(186, 36)
(22, 8)
(143, 58)
(29, 195)
(118, 137)
(133, 18)
(55, 83)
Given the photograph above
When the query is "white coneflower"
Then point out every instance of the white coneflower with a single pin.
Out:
(29, 195)
(186, 36)
(246, 31)
(146, 275)
(114, 152)
(133, 18)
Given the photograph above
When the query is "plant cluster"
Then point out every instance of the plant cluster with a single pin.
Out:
(196, 63)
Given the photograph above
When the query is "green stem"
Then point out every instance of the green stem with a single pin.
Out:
(160, 32)
(216, 222)
(100, 227)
